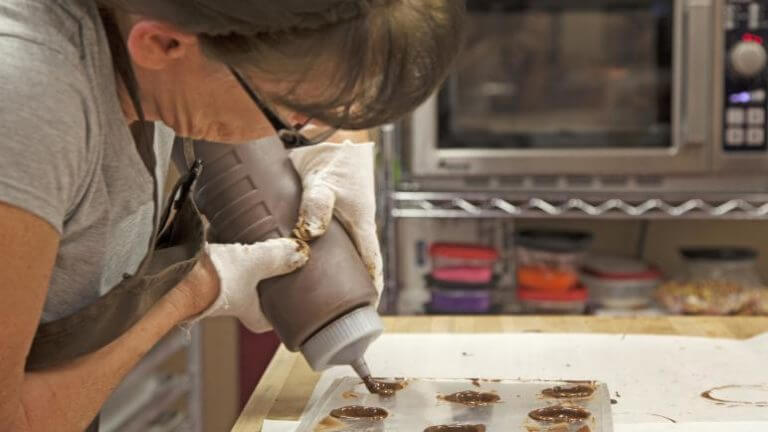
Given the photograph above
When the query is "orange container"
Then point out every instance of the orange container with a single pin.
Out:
(546, 279)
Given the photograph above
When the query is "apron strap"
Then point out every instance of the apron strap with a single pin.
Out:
(103, 321)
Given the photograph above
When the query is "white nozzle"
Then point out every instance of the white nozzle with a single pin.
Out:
(361, 368)
(344, 341)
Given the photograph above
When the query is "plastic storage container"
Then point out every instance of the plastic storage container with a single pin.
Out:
(460, 301)
(461, 255)
(620, 283)
(572, 302)
(462, 278)
(549, 261)
(716, 281)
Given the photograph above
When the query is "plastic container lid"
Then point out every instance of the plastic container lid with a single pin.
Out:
(620, 268)
(573, 295)
(469, 275)
(554, 241)
(463, 251)
(728, 253)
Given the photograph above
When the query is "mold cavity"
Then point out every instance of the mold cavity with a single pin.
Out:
(383, 388)
(569, 392)
(456, 428)
(472, 398)
(356, 412)
(560, 414)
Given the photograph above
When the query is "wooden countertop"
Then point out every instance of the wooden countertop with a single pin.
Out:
(288, 383)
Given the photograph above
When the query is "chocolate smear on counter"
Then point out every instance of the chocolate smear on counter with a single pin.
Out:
(383, 388)
(671, 420)
(560, 414)
(709, 395)
(472, 398)
(578, 391)
(356, 412)
(456, 428)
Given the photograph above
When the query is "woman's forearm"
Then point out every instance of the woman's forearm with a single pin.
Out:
(67, 398)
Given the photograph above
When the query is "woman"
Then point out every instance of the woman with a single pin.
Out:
(80, 199)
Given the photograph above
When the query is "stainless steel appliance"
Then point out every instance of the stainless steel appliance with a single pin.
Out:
(602, 87)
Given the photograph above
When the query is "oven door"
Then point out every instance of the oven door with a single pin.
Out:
(574, 87)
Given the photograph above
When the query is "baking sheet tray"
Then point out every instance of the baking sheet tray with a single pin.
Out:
(419, 405)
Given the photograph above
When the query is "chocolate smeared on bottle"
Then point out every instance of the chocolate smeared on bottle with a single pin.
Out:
(560, 414)
(251, 193)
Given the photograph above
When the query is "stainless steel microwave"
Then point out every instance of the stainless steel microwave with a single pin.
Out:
(603, 87)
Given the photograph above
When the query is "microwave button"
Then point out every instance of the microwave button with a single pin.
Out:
(756, 116)
(734, 137)
(757, 96)
(748, 58)
(755, 137)
(735, 116)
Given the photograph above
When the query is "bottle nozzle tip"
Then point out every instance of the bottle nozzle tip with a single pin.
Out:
(361, 368)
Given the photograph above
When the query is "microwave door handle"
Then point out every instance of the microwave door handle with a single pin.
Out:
(697, 76)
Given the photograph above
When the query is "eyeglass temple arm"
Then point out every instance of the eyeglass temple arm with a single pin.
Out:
(273, 119)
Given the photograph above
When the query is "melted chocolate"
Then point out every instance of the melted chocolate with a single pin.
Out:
(356, 412)
(472, 398)
(569, 392)
(456, 428)
(560, 414)
(383, 388)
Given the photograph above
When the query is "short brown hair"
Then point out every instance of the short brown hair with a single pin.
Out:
(385, 56)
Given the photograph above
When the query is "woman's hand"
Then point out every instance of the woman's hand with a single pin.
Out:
(197, 291)
(224, 281)
(338, 179)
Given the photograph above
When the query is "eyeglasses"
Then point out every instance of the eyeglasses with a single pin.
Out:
(301, 134)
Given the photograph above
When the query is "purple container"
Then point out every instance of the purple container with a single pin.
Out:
(457, 301)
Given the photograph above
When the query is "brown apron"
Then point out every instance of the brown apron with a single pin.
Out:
(176, 251)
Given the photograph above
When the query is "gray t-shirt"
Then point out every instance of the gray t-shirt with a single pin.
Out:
(66, 153)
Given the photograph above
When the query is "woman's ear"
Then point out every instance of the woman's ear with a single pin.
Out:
(156, 44)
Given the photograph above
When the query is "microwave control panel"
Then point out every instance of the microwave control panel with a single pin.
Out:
(746, 76)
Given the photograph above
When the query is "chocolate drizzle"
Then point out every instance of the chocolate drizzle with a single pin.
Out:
(579, 391)
(560, 414)
(383, 388)
(356, 412)
(456, 428)
(472, 398)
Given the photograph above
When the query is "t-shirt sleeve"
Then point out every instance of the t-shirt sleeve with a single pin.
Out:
(43, 130)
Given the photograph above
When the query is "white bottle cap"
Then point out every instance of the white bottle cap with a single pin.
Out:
(343, 341)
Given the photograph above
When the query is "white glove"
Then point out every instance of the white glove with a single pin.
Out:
(338, 180)
(240, 269)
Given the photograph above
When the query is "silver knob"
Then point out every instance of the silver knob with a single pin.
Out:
(748, 58)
